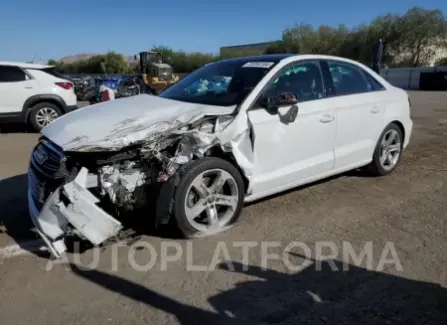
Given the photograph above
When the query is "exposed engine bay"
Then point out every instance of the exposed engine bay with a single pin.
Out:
(128, 177)
(99, 189)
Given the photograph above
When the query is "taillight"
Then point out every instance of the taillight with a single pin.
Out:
(65, 85)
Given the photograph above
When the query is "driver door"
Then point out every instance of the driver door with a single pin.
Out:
(290, 153)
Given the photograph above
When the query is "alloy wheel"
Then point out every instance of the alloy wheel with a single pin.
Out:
(45, 116)
(390, 149)
(211, 200)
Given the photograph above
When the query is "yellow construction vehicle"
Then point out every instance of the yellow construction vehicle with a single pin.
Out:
(155, 75)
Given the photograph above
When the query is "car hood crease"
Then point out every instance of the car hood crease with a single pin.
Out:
(119, 123)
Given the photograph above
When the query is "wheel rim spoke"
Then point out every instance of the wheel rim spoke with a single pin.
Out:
(390, 158)
(220, 181)
(45, 116)
(211, 214)
(226, 200)
(211, 201)
(383, 158)
(199, 185)
(390, 148)
(394, 147)
(196, 210)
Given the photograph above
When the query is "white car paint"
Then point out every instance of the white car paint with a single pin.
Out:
(122, 121)
(13, 95)
(349, 152)
(288, 153)
(47, 85)
(284, 156)
(329, 136)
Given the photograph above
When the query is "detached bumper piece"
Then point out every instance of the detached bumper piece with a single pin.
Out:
(72, 206)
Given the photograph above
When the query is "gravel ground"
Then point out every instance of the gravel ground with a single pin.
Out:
(399, 221)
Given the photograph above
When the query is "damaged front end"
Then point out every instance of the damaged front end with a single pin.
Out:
(90, 190)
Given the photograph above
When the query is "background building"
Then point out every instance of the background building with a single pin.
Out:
(248, 49)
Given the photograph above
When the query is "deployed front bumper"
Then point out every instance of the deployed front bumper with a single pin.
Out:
(71, 207)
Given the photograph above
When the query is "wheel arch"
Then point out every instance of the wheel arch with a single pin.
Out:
(401, 128)
(44, 98)
(228, 156)
(164, 203)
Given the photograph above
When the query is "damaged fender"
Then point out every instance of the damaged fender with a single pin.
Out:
(167, 137)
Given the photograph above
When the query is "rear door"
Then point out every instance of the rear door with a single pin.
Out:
(360, 102)
(16, 86)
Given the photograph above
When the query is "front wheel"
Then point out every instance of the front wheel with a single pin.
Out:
(209, 197)
(43, 114)
(388, 151)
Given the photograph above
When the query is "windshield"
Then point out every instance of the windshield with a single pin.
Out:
(224, 83)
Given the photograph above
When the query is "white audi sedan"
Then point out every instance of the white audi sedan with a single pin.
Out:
(233, 131)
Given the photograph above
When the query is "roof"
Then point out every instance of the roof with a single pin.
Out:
(26, 65)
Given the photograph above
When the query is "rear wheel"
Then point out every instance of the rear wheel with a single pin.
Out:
(388, 151)
(209, 197)
(43, 114)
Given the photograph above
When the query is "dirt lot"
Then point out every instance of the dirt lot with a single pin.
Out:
(401, 218)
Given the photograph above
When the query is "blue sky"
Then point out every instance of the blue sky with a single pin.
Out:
(55, 28)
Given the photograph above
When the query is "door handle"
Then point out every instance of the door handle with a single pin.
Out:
(28, 87)
(327, 118)
(375, 110)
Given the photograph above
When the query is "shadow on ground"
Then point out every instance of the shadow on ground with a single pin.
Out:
(14, 217)
(15, 128)
(16, 223)
(315, 295)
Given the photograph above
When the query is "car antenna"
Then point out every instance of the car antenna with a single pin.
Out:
(103, 68)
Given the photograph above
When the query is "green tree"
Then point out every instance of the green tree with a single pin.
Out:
(409, 40)
(441, 62)
(422, 32)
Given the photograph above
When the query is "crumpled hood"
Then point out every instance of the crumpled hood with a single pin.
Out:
(115, 124)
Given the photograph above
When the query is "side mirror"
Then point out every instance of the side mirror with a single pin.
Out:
(280, 99)
(285, 99)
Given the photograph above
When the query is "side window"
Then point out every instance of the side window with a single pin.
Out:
(304, 80)
(373, 84)
(348, 79)
(11, 74)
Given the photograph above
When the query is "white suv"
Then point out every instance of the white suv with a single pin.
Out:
(34, 94)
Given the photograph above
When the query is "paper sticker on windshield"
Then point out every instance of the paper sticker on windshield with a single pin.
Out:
(259, 64)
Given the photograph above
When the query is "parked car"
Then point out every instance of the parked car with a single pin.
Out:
(281, 121)
(34, 94)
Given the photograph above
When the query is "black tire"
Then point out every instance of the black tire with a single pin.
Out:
(375, 168)
(187, 174)
(32, 117)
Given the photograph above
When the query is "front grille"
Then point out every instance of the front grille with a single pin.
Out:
(48, 160)
(47, 171)
(41, 186)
